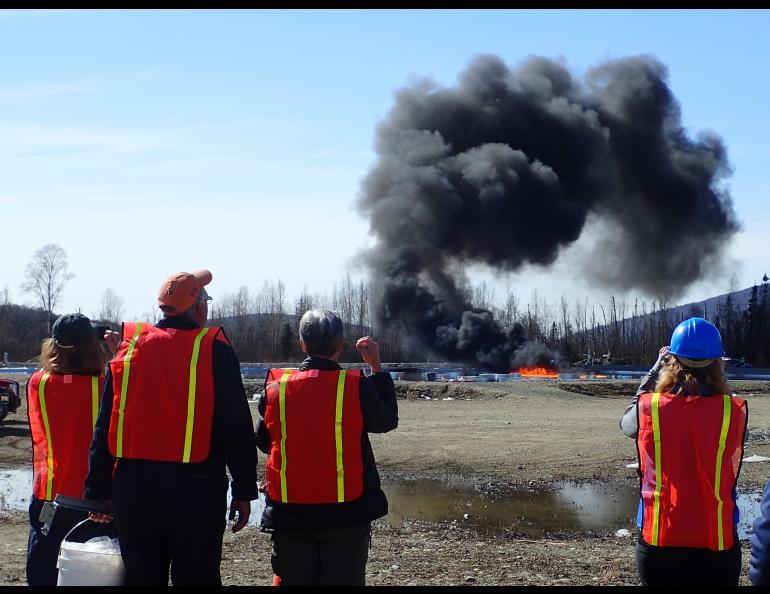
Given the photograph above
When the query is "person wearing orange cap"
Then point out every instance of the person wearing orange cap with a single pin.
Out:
(173, 416)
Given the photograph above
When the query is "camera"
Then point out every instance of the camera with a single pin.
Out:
(100, 330)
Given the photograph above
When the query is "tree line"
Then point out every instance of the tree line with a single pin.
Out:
(262, 325)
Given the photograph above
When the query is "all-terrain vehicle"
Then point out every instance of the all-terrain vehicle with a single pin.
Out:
(9, 397)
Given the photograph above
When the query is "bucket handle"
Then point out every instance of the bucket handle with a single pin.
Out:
(109, 528)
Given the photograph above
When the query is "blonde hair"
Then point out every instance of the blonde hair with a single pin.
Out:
(84, 359)
(691, 380)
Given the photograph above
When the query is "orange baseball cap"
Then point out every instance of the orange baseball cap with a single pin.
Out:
(180, 290)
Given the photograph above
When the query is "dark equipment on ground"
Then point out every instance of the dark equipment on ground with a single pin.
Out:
(736, 362)
(9, 397)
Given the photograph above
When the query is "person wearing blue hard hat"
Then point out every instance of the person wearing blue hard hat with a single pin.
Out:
(696, 343)
(689, 433)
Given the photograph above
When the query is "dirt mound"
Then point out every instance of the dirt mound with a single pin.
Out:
(750, 387)
(621, 389)
(617, 389)
(455, 390)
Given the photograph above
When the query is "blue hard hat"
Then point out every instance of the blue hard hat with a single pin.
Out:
(696, 338)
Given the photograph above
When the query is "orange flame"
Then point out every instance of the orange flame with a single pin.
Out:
(537, 372)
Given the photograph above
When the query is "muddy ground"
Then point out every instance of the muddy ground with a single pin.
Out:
(495, 437)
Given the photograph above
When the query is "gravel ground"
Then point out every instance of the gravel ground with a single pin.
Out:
(494, 437)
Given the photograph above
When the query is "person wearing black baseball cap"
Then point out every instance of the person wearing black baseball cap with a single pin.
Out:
(62, 404)
(71, 330)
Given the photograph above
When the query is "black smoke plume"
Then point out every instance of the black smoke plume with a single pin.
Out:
(506, 167)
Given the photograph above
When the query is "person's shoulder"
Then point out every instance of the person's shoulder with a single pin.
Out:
(36, 376)
(217, 334)
(222, 339)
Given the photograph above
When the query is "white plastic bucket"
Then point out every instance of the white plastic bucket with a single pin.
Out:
(79, 567)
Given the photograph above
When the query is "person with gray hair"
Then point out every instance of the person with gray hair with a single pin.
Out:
(321, 481)
(321, 331)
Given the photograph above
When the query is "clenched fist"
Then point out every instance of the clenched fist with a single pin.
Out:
(370, 352)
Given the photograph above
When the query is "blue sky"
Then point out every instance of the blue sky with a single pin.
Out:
(146, 142)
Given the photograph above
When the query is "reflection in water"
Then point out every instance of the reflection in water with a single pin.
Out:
(15, 488)
(749, 509)
(600, 506)
(570, 507)
(16, 491)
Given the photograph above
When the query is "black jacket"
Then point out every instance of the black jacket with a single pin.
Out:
(380, 415)
(232, 436)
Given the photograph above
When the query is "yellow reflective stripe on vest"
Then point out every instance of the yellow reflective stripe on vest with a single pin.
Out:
(658, 473)
(124, 388)
(338, 436)
(94, 397)
(191, 395)
(282, 409)
(49, 445)
(718, 478)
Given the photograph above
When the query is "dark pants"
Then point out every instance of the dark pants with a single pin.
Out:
(159, 531)
(684, 566)
(326, 557)
(43, 550)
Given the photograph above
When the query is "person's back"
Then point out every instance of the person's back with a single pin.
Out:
(174, 414)
(323, 489)
(689, 433)
(62, 402)
(322, 462)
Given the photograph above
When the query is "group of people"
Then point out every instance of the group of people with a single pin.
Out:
(151, 419)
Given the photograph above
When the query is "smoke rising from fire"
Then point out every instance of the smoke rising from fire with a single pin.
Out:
(505, 168)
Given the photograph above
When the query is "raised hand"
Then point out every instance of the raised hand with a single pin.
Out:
(370, 352)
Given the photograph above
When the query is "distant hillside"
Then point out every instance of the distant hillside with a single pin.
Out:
(708, 307)
(745, 334)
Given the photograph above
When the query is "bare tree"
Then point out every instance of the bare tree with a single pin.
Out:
(112, 307)
(483, 296)
(362, 304)
(344, 296)
(47, 274)
(510, 313)
(303, 304)
(152, 316)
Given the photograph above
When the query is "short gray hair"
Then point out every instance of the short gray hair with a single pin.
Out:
(321, 331)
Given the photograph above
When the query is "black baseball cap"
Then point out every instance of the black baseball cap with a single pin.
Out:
(73, 329)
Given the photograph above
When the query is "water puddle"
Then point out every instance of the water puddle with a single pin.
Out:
(571, 506)
(16, 491)
(15, 488)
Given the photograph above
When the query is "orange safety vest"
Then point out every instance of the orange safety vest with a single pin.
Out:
(690, 450)
(315, 425)
(163, 393)
(62, 411)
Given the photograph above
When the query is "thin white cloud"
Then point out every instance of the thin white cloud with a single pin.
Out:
(9, 13)
(24, 138)
(16, 94)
